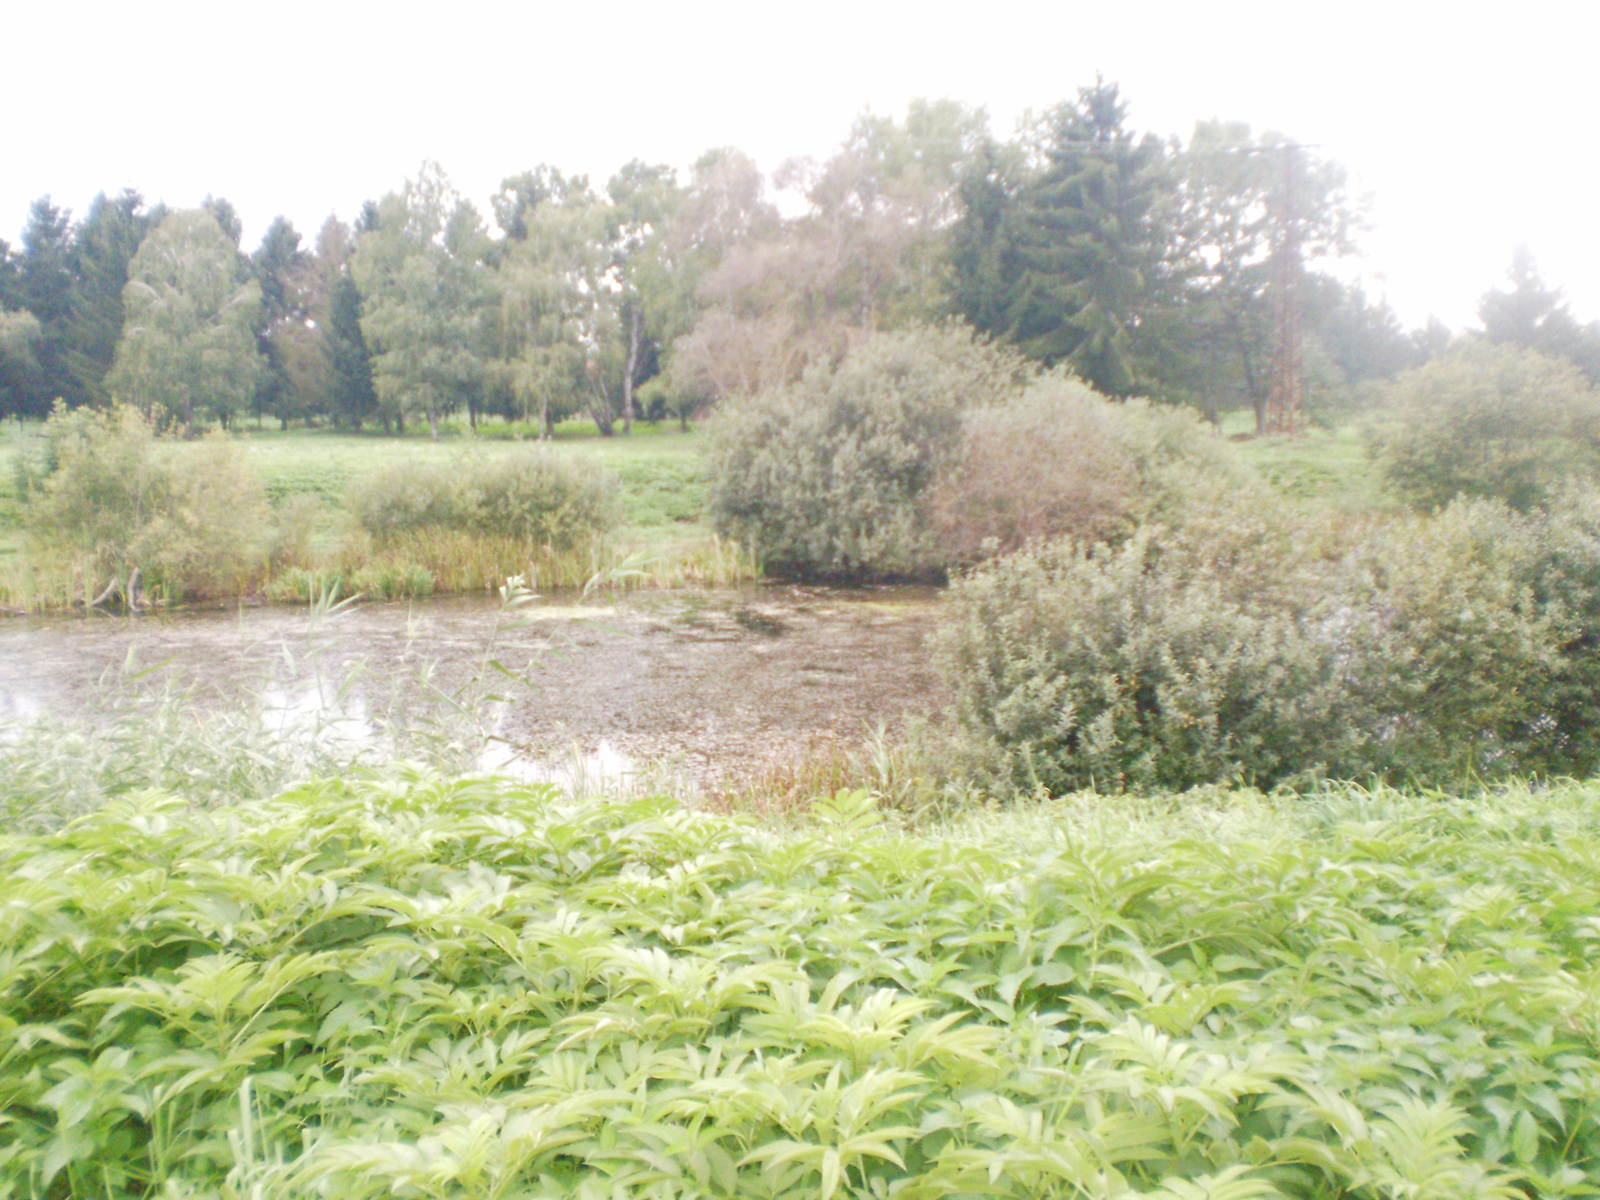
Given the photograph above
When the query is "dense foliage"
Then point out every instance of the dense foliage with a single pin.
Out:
(1488, 420)
(404, 987)
(1435, 649)
(834, 474)
(1142, 262)
(933, 449)
(106, 491)
(117, 513)
(188, 344)
(1061, 461)
(1117, 667)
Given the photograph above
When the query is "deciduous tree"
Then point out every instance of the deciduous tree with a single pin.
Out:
(1233, 190)
(280, 266)
(189, 339)
(543, 285)
(423, 281)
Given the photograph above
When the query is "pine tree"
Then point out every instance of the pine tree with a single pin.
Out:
(1533, 314)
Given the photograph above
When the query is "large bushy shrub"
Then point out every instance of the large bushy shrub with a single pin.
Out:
(1456, 653)
(1431, 650)
(832, 475)
(190, 515)
(407, 495)
(1132, 667)
(533, 494)
(1567, 577)
(1488, 421)
(1061, 460)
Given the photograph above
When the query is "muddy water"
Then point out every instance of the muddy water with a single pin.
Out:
(714, 681)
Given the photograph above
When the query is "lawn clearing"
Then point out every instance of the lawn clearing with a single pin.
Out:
(1322, 466)
(663, 481)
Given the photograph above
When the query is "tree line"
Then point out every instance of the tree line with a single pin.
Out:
(1143, 264)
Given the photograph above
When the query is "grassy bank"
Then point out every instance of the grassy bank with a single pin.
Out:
(410, 985)
(659, 467)
(308, 476)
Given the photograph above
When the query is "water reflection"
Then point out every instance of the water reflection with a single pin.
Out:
(703, 679)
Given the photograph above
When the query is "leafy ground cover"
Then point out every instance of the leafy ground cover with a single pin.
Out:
(403, 984)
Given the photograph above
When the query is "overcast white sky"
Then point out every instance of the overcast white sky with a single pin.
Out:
(1472, 126)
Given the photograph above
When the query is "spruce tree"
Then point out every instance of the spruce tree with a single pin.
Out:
(1072, 262)
(103, 245)
(45, 271)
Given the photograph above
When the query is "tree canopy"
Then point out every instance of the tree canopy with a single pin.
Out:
(1139, 262)
(192, 311)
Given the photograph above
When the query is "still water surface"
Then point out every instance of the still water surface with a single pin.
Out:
(714, 681)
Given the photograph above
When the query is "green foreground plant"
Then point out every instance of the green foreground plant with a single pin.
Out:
(404, 985)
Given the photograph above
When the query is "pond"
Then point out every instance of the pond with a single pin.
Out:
(713, 681)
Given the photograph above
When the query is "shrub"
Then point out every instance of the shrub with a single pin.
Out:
(534, 494)
(832, 475)
(1568, 578)
(545, 497)
(295, 525)
(191, 515)
(1488, 421)
(1429, 650)
(1063, 461)
(1450, 647)
(409, 495)
(1129, 667)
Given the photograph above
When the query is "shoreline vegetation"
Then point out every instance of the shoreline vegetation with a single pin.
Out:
(257, 962)
(248, 951)
(272, 518)
(664, 537)
(1256, 855)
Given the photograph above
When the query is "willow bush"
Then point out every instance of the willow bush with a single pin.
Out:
(928, 450)
(1061, 460)
(1487, 421)
(1434, 650)
(114, 496)
(832, 475)
(1125, 667)
(1455, 655)
(1567, 578)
